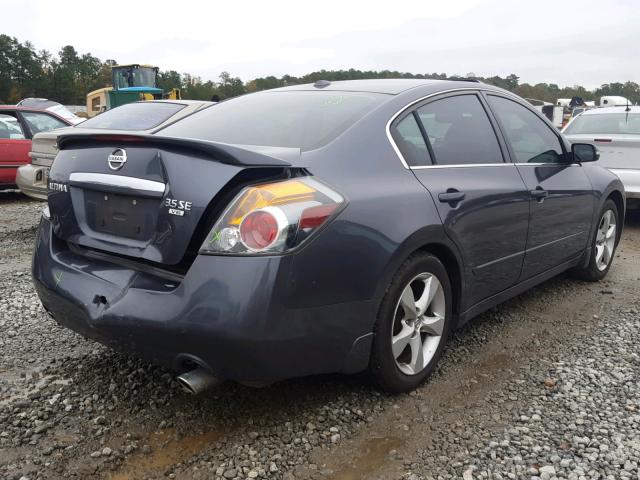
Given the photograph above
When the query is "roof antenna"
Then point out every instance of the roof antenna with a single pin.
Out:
(627, 110)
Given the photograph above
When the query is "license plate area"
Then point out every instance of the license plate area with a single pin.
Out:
(121, 215)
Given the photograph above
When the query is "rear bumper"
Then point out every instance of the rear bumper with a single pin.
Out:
(231, 315)
(30, 180)
(630, 179)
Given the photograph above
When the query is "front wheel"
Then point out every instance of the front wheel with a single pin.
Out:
(412, 325)
(603, 245)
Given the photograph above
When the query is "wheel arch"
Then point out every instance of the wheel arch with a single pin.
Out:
(619, 200)
(453, 268)
(434, 241)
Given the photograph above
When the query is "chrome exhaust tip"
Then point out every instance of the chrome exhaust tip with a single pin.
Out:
(197, 381)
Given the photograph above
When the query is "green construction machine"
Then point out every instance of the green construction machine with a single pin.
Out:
(131, 83)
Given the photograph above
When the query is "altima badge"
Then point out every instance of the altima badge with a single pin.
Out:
(117, 159)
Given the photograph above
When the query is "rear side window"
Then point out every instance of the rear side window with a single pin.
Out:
(410, 142)
(10, 128)
(134, 116)
(530, 137)
(460, 131)
(41, 122)
(298, 119)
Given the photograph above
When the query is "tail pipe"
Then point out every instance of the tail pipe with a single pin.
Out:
(197, 381)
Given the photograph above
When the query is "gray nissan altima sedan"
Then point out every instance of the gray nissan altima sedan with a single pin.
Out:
(329, 227)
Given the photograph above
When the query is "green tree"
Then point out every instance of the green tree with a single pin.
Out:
(169, 80)
(229, 86)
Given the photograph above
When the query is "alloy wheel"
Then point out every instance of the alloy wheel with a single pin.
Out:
(419, 321)
(605, 240)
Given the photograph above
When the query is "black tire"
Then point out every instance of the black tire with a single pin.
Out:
(383, 368)
(591, 272)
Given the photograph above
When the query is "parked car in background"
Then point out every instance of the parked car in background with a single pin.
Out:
(51, 106)
(616, 133)
(18, 125)
(142, 117)
(329, 227)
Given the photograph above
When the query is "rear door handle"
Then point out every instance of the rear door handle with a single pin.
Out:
(539, 193)
(452, 196)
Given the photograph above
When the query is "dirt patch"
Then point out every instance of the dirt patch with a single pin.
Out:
(167, 448)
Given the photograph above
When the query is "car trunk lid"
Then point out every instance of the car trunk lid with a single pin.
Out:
(148, 197)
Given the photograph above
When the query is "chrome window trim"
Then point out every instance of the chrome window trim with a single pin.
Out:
(104, 179)
(548, 164)
(464, 165)
(457, 165)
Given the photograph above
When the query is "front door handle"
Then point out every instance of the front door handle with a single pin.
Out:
(539, 193)
(451, 196)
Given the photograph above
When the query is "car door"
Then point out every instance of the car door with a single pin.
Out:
(14, 146)
(561, 194)
(453, 149)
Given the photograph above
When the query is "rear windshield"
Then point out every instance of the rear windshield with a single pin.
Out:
(299, 119)
(611, 123)
(134, 116)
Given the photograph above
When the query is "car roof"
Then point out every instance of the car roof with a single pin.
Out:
(180, 102)
(617, 109)
(28, 109)
(390, 86)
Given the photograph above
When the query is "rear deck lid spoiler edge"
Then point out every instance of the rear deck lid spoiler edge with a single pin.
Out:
(240, 155)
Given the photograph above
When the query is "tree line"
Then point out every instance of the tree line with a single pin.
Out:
(68, 76)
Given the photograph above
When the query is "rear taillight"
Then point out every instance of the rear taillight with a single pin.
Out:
(273, 218)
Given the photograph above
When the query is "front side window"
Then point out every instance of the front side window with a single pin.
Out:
(41, 122)
(531, 139)
(10, 128)
(460, 132)
(410, 142)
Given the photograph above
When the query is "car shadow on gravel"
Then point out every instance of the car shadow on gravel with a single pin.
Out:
(8, 196)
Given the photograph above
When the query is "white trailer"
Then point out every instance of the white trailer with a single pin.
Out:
(613, 101)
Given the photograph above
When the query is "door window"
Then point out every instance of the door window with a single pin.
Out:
(410, 142)
(10, 128)
(531, 139)
(42, 122)
(459, 131)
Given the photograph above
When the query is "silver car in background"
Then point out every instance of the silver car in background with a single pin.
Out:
(615, 131)
(138, 117)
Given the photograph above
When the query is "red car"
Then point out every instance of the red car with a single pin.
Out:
(17, 126)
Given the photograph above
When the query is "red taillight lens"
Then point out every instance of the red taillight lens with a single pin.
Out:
(258, 230)
(315, 216)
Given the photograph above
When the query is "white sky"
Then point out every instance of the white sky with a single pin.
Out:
(568, 42)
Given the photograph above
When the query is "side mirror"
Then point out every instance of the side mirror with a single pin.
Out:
(584, 152)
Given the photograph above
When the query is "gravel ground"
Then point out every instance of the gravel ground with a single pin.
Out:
(574, 418)
(545, 386)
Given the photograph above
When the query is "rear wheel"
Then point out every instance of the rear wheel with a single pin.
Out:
(603, 244)
(413, 324)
